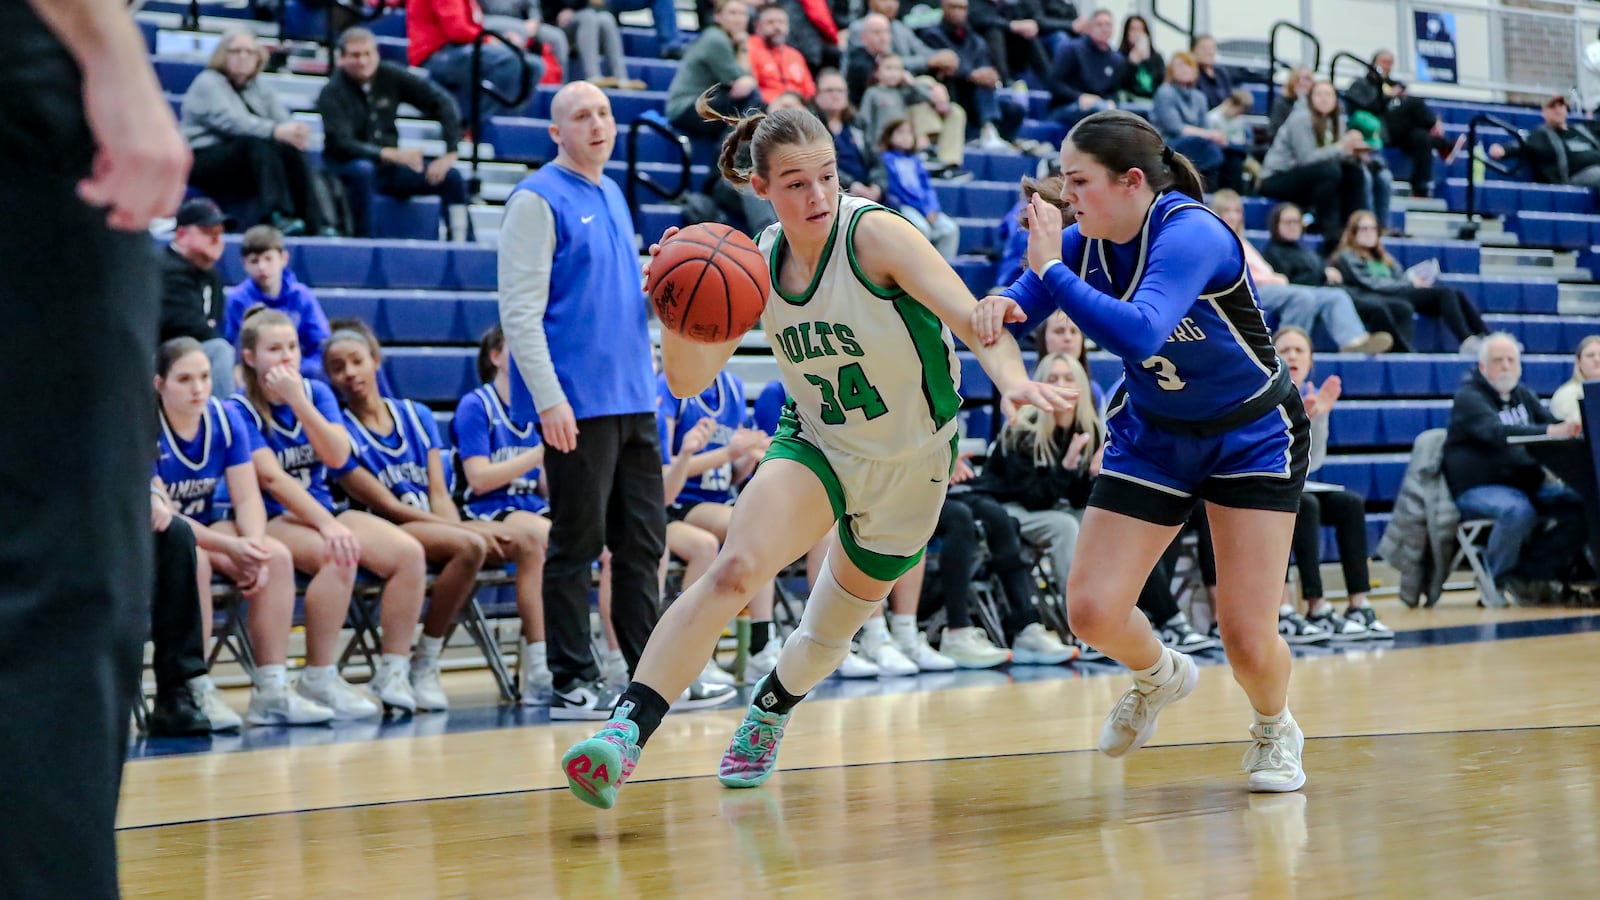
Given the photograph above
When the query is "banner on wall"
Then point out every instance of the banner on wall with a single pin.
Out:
(1435, 46)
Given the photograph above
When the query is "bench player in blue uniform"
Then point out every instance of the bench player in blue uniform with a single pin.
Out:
(1207, 412)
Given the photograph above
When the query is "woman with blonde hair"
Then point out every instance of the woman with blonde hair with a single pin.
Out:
(245, 143)
(1565, 402)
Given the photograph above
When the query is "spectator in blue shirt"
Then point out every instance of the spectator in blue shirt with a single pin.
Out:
(911, 190)
(1086, 73)
(272, 284)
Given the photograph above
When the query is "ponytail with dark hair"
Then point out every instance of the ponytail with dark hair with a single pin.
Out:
(1121, 140)
(759, 134)
(494, 340)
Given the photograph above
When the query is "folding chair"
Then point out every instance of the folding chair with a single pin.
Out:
(1471, 539)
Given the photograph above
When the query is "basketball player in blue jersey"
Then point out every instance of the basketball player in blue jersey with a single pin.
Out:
(1207, 412)
(402, 479)
(299, 438)
(204, 443)
(498, 459)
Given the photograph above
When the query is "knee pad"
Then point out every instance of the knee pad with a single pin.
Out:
(831, 618)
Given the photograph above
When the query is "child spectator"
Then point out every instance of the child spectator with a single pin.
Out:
(911, 191)
(271, 283)
(894, 94)
(1228, 118)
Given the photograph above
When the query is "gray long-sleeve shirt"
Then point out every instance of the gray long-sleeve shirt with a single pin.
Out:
(529, 226)
(1296, 146)
(1176, 107)
(213, 110)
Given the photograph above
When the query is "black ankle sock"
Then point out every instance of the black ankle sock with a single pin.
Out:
(760, 634)
(641, 704)
(771, 696)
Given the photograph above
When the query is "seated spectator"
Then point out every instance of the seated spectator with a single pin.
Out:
(1493, 479)
(1558, 152)
(1015, 37)
(918, 57)
(498, 461)
(523, 23)
(1145, 69)
(271, 283)
(1369, 268)
(777, 66)
(1566, 403)
(440, 35)
(1381, 313)
(1377, 180)
(1411, 126)
(192, 295)
(361, 143)
(204, 450)
(1229, 118)
(298, 441)
(245, 143)
(1086, 73)
(1215, 81)
(1312, 163)
(1327, 505)
(911, 191)
(589, 23)
(860, 170)
(718, 61)
(1298, 306)
(814, 32)
(863, 58)
(1296, 88)
(894, 94)
(1060, 335)
(1180, 113)
(974, 82)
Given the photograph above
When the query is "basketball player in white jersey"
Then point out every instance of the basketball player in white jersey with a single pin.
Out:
(860, 316)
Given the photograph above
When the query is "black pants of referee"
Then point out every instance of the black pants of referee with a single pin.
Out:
(606, 493)
(175, 626)
(76, 359)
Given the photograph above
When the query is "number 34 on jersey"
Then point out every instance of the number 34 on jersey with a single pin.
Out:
(849, 389)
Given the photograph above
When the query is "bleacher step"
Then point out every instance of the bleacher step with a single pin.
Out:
(1578, 299)
(1447, 226)
(1521, 261)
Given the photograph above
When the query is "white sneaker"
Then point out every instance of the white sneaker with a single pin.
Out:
(210, 701)
(1365, 615)
(1273, 760)
(919, 651)
(970, 648)
(426, 687)
(704, 695)
(1133, 720)
(534, 682)
(285, 707)
(715, 674)
(392, 685)
(856, 666)
(614, 675)
(890, 661)
(338, 695)
(759, 664)
(990, 139)
(1037, 645)
(1340, 629)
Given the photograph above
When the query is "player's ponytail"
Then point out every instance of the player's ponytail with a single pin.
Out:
(494, 341)
(753, 138)
(1121, 141)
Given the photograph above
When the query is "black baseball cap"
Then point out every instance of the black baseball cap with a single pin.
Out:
(201, 212)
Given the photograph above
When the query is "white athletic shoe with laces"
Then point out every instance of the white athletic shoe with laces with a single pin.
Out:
(1273, 758)
(971, 649)
(281, 706)
(919, 651)
(716, 674)
(426, 688)
(210, 701)
(890, 661)
(338, 695)
(857, 666)
(1039, 646)
(1133, 720)
(759, 664)
(392, 685)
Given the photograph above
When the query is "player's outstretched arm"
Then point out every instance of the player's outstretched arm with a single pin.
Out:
(893, 252)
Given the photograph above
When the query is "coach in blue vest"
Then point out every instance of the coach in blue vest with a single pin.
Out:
(573, 309)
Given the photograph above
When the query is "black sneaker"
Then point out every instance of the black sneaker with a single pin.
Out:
(1340, 629)
(176, 714)
(1368, 617)
(704, 695)
(1297, 630)
(1179, 635)
(590, 700)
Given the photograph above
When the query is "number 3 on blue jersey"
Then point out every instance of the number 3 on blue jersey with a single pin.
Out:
(1166, 373)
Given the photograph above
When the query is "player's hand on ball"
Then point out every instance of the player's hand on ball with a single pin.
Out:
(655, 251)
(339, 546)
(1048, 397)
(1044, 234)
(990, 316)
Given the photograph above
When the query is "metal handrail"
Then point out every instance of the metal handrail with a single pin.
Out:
(1469, 229)
(1272, 55)
(637, 178)
(1333, 65)
(1155, 13)
(479, 87)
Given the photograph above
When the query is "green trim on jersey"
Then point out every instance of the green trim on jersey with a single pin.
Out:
(927, 335)
(787, 444)
(776, 266)
(881, 566)
(882, 293)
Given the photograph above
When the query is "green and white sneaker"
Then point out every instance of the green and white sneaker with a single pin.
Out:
(597, 767)
(752, 755)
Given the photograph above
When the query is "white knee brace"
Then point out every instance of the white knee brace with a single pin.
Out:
(831, 618)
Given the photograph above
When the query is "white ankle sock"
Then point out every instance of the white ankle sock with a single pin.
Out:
(1159, 673)
(429, 648)
(903, 625)
(270, 679)
(318, 674)
(393, 661)
(1278, 719)
(877, 628)
(533, 656)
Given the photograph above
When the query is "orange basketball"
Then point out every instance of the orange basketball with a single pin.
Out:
(709, 283)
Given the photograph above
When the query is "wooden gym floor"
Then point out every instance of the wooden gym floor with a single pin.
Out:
(1463, 761)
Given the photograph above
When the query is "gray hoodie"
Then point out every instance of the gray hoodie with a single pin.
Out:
(212, 110)
(1296, 146)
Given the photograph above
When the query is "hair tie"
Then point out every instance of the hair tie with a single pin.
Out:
(1166, 154)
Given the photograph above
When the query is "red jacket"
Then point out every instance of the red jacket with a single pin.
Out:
(779, 69)
(432, 25)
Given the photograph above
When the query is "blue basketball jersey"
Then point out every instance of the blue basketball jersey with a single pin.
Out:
(283, 434)
(193, 470)
(483, 427)
(723, 403)
(399, 459)
(1176, 303)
